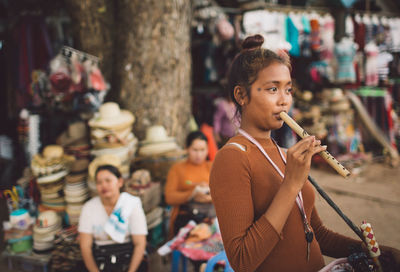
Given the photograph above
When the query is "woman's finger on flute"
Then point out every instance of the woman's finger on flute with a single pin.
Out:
(317, 143)
(301, 146)
(315, 150)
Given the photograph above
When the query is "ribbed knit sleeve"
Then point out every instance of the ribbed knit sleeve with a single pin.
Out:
(332, 244)
(247, 241)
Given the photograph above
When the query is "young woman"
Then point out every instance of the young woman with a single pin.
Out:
(107, 222)
(264, 204)
(187, 182)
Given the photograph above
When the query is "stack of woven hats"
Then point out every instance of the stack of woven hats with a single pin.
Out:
(47, 225)
(111, 133)
(76, 190)
(75, 140)
(50, 168)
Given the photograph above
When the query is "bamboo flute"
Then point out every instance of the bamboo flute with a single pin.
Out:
(324, 154)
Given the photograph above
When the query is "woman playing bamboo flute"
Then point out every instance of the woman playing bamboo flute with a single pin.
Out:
(264, 203)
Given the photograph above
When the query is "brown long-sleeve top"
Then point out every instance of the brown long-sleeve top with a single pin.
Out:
(181, 180)
(243, 185)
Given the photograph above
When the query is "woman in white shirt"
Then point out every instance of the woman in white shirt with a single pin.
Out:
(112, 221)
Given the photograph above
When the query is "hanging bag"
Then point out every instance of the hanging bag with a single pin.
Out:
(116, 257)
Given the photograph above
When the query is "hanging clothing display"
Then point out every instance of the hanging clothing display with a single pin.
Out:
(33, 51)
(371, 66)
(292, 37)
(345, 52)
(315, 35)
(272, 25)
(305, 37)
(74, 83)
(327, 36)
(359, 32)
(383, 60)
(394, 24)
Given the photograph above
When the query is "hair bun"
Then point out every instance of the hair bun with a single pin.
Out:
(253, 42)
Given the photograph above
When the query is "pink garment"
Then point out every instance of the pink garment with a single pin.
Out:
(224, 119)
(327, 36)
(371, 66)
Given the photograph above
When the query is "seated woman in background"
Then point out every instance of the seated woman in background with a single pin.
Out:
(112, 223)
(187, 182)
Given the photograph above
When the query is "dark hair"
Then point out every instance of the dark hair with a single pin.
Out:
(112, 169)
(195, 135)
(249, 62)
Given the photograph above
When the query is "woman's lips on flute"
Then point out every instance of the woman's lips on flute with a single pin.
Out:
(278, 115)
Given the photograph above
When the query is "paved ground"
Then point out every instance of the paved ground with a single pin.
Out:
(373, 195)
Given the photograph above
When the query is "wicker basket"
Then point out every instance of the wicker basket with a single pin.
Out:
(150, 196)
(154, 217)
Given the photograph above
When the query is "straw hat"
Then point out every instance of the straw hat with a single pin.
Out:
(75, 192)
(47, 221)
(54, 199)
(52, 193)
(51, 187)
(157, 148)
(123, 152)
(111, 116)
(53, 152)
(156, 134)
(52, 178)
(76, 132)
(79, 166)
(75, 178)
(103, 160)
(99, 133)
(157, 142)
(44, 238)
(77, 199)
(50, 161)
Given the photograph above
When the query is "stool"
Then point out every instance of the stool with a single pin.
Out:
(217, 258)
(178, 257)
